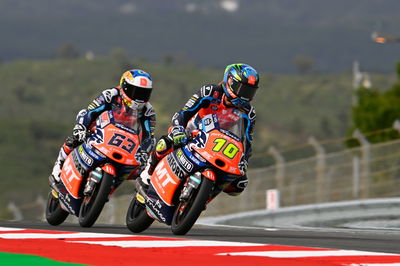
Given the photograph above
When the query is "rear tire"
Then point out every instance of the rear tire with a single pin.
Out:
(184, 219)
(55, 215)
(93, 205)
(137, 219)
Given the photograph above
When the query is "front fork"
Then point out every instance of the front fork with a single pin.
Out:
(194, 182)
(95, 177)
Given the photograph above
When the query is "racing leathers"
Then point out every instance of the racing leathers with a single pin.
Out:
(107, 100)
(200, 102)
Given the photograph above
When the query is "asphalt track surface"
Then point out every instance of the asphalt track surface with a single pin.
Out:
(364, 240)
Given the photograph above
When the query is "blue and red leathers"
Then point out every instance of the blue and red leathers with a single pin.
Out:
(199, 103)
(107, 100)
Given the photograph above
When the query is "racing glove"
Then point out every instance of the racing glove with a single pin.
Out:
(178, 135)
(79, 132)
(142, 156)
(243, 165)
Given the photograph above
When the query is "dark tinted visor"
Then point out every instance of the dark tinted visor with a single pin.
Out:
(244, 91)
(136, 93)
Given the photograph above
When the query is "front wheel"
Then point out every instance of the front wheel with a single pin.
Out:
(188, 211)
(93, 205)
(137, 219)
(55, 215)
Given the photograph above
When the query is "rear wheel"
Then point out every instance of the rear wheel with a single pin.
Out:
(137, 219)
(188, 211)
(55, 215)
(93, 205)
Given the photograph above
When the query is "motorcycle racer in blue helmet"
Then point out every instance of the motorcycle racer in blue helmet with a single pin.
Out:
(238, 88)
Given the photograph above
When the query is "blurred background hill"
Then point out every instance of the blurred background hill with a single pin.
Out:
(269, 34)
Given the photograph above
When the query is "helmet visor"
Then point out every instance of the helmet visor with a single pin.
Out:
(136, 93)
(244, 91)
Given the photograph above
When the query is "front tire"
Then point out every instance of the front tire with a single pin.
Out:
(93, 205)
(55, 215)
(137, 219)
(188, 211)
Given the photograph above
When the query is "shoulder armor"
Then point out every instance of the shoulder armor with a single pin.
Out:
(249, 111)
(148, 110)
(252, 113)
(206, 90)
(108, 94)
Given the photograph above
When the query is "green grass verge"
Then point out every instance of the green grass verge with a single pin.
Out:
(21, 259)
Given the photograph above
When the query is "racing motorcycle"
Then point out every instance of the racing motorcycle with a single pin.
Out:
(188, 178)
(93, 170)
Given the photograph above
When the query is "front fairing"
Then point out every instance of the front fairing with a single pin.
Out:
(117, 136)
(220, 138)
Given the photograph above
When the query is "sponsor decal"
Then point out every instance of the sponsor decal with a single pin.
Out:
(161, 172)
(206, 90)
(65, 200)
(107, 94)
(161, 145)
(187, 165)
(143, 82)
(228, 133)
(84, 156)
(193, 156)
(197, 158)
(155, 207)
(150, 111)
(125, 128)
(69, 172)
(82, 112)
(176, 169)
(252, 113)
(94, 154)
(200, 140)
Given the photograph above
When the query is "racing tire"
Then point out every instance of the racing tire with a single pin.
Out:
(55, 215)
(93, 205)
(184, 219)
(137, 219)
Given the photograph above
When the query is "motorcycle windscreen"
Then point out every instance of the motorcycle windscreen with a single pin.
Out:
(165, 181)
(71, 177)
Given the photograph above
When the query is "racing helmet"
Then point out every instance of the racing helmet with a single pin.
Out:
(135, 87)
(240, 83)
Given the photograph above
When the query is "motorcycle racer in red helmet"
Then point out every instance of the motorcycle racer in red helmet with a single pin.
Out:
(133, 93)
(237, 89)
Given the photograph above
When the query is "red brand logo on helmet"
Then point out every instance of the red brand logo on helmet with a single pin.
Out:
(143, 82)
(252, 80)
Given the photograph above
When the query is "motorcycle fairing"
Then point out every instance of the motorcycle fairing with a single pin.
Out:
(70, 204)
(222, 151)
(116, 141)
(118, 145)
(167, 177)
(157, 208)
(71, 175)
(194, 158)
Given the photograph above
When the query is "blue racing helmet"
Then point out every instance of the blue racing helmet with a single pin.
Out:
(240, 83)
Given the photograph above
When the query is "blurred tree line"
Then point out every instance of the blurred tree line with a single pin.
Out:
(376, 110)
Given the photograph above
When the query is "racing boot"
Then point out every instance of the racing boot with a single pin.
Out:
(162, 148)
(144, 177)
(66, 149)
